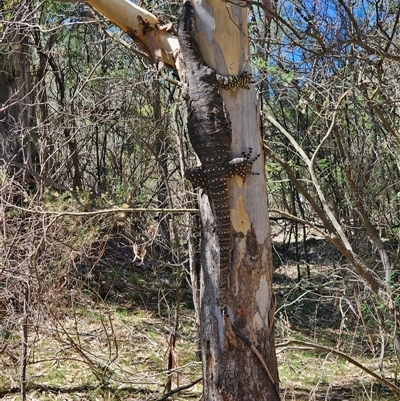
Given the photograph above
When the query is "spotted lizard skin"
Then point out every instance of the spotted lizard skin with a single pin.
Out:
(210, 135)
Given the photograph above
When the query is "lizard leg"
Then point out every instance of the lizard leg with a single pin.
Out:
(234, 81)
(241, 166)
(196, 176)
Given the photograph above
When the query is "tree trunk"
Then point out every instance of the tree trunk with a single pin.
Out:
(17, 94)
(231, 370)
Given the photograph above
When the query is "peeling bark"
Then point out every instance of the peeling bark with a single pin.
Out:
(143, 27)
(231, 370)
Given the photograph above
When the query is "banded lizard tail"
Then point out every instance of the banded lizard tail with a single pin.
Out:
(210, 134)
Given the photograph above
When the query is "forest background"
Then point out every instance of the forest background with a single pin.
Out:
(99, 229)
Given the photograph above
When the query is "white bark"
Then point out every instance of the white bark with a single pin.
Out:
(144, 27)
(221, 28)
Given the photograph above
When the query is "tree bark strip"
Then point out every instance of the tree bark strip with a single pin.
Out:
(231, 370)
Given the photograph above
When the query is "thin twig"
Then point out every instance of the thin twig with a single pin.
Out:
(103, 211)
(321, 348)
(178, 389)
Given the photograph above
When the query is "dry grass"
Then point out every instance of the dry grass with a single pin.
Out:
(83, 346)
(105, 354)
(109, 353)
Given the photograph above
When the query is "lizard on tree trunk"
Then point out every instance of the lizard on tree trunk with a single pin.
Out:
(210, 135)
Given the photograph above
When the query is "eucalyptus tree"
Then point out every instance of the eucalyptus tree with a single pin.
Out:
(221, 32)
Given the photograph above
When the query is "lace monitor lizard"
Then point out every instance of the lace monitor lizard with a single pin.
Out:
(210, 134)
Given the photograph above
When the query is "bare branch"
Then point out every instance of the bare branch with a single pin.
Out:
(143, 27)
(320, 348)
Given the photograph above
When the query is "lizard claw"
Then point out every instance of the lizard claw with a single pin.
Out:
(241, 166)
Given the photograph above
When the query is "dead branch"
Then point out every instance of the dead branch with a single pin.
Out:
(321, 348)
(178, 389)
